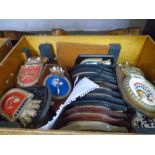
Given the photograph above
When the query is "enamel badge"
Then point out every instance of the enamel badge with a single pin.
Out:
(12, 103)
(18, 105)
(30, 72)
(57, 83)
(141, 92)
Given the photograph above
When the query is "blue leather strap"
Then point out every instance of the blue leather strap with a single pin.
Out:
(46, 50)
(27, 52)
(115, 50)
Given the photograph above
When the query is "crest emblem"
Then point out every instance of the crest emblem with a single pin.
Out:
(141, 93)
(57, 83)
(30, 72)
(12, 101)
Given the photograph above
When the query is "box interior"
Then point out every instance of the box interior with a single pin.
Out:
(137, 50)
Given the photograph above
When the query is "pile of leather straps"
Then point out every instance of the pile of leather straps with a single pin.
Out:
(102, 109)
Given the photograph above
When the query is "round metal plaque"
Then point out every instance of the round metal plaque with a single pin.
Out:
(141, 92)
(59, 86)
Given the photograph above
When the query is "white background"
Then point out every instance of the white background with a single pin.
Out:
(77, 145)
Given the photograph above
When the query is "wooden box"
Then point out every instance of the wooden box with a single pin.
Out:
(5, 47)
(137, 50)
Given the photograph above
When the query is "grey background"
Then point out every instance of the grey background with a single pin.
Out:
(69, 24)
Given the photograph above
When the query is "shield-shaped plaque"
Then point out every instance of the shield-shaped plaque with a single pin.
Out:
(12, 103)
(29, 75)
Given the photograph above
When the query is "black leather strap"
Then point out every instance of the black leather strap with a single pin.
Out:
(106, 84)
(46, 111)
(96, 78)
(4, 124)
(94, 74)
(88, 69)
(27, 52)
(107, 91)
(108, 68)
(115, 50)
(103, 97)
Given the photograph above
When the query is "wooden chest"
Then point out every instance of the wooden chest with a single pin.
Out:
(137, 50)
(5, 47)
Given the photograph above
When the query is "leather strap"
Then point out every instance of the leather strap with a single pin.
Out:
(93, 126)
(46, 50)
(107, 84)
(97, 78)
(27, 52)
(105, 104)
(107, 68)
(115, 50)
(145, 130)
(103, 97)
(88, 69)
(45, 111)
(94, 117)
(94, 74)
(4, 124)
(107, 91)
(96, 109)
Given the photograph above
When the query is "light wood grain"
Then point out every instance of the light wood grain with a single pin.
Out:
(7, 131)
(5, 47)
(67, 53)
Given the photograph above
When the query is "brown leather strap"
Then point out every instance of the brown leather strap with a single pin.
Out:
(82, 116)
(96, 109)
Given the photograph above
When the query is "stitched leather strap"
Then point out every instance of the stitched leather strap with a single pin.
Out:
(94, 117)
(103, 97)
(96, 109)
(93, 126)
(110, 105)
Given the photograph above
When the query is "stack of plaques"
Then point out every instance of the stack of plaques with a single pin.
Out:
(102, 109)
